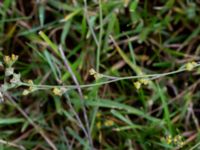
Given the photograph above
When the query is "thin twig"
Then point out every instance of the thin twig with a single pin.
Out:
(80, 94)
(80, 124)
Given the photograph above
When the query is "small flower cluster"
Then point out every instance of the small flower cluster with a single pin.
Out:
(141, 82)
(95, 74)
(11, 78)
(98, 124)
(175, 141)
(9, 71)
(30, 89)
(10, 60)
(56, 91)
(59, 91)
(109, 123)
(190, 66)
(15, 80)
(106, 123)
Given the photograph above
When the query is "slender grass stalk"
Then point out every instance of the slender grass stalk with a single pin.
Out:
(88, 21)
(80, 94)
(100, 36)
(98, 61)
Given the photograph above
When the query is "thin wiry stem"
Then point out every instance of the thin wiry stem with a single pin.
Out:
(76, 115)
(80, 94)
(100, 36)
(111, 79)
(98, 61)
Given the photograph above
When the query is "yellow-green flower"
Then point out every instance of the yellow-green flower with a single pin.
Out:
(30, 82)
(98, 76)
(109, 123)
(98, 125)
(176, 141)
(98, 115)
(190, 66)
(14, 57)
(141, 82)
(144, 81)
(57, 91)
(26, 92)
(92, 71)
(169, 139)
(95, 74)
(6, 59)
(9, 61)
(137, 85)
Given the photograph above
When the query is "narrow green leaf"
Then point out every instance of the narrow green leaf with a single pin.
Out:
(49, 42)
(8, 121)
(41, 14)
(134, 5)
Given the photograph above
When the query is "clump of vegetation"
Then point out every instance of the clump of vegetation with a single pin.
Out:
(99, 74)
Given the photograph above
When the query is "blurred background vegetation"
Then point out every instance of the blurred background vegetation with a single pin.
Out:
(117, 38)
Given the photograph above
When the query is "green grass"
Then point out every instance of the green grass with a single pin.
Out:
(125, 42)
